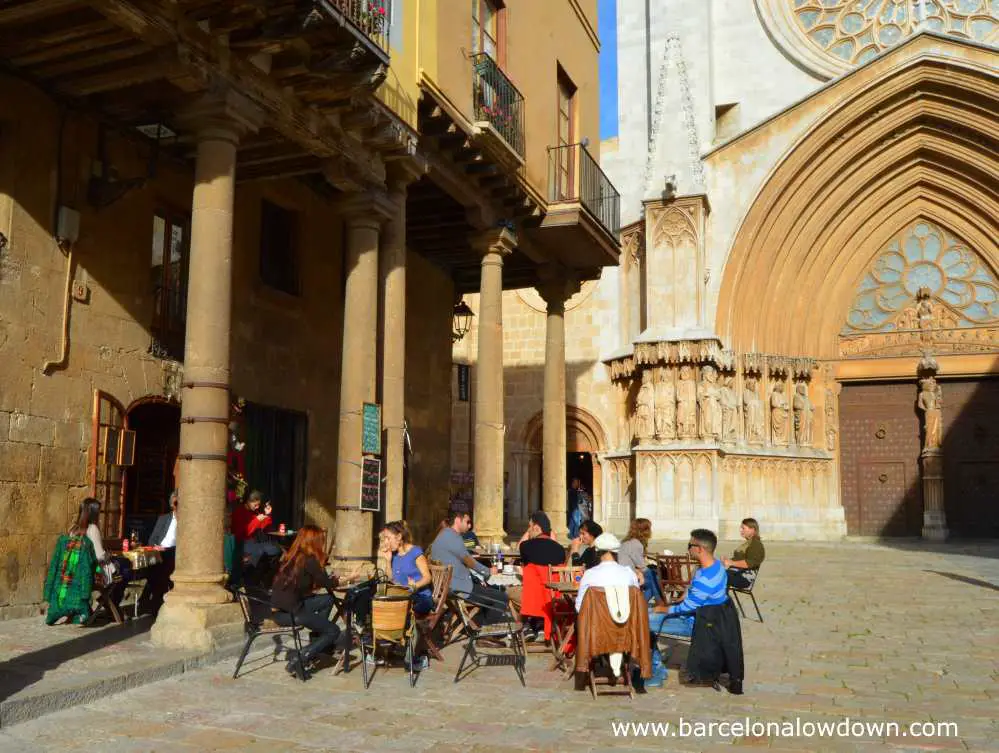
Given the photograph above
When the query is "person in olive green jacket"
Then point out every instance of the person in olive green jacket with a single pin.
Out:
(747, 558)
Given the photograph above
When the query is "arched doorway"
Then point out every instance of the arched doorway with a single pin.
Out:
(149, 481)
(585, 439)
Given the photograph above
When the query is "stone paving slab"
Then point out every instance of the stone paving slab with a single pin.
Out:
(877, 633)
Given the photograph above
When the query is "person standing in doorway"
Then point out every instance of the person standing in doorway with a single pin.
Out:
(580, 507)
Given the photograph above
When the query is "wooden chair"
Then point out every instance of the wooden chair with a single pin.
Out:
(104, 586)
(596, 600)
(260, 618)
(392, 625)
(676, 571)
(427, 623)
(752, 575)
(563, 615)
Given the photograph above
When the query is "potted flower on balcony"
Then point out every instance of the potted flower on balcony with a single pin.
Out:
(374, 16)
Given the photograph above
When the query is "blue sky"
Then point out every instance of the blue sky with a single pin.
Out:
(607, 29)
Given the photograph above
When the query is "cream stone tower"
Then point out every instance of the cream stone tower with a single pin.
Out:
(810, 213)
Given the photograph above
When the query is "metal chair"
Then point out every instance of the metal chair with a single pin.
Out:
(260, 618)
(751, 574)
(502, 636)
(392, 625)
(104, 586)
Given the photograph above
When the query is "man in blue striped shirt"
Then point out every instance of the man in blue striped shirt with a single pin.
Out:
(709, 587)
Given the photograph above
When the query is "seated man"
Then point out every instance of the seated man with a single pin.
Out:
(708, 587)
(164, 537)
(608, 572)
(538, 550)
(471, 540)
(449, 549)
(748, 557)
(589, 531)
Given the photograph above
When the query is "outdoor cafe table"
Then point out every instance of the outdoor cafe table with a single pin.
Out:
(142, 557)
(563, 632)
(283, 539)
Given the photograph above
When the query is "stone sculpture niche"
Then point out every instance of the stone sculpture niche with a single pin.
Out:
(710, 403)
(752, 408)
(686, 398)
(778, 413)
(665, 402)
(645, 427)
(803, 415)
(729, 410)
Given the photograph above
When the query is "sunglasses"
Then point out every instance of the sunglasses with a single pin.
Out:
(691, 546)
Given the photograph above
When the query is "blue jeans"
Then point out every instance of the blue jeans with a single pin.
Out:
(661, 623)
(575, 521)
(650, 588)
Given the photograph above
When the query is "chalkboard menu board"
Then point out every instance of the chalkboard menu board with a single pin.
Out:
(371, 484)
(371, 429)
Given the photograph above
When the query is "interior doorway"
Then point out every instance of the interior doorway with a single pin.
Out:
(149, 482)
(579, 465)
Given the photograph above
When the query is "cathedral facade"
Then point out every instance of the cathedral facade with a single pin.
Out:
(804, 326)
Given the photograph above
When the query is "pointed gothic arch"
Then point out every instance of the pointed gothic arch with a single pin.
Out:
(920, 141)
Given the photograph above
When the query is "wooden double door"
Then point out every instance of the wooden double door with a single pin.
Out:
(881, 441)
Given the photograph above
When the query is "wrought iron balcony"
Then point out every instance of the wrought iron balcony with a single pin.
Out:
(371, 17)
(573, 175)
(497, 101)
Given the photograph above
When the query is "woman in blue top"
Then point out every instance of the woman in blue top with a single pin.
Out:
(407, 563)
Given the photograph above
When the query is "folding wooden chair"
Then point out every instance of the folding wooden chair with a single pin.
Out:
(427, 623)
(563, 615)
(104, 586)
(751, 574)
(676, 571)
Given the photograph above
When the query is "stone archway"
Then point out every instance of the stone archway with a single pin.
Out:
(585, 435)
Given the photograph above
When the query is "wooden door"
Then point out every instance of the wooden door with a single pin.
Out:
(105, 478)
(881, 485)
(971, 457)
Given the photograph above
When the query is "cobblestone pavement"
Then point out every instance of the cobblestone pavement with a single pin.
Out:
(861, 631)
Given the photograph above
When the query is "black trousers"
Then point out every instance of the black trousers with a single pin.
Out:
(737, 577)
(315, 615)
(496, 599)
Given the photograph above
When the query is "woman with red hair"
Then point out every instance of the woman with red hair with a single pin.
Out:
(301, 572)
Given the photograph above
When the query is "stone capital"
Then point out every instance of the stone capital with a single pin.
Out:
(557, 286)
(224, 115)
(366, 209)
(500, 240)
(400, 173)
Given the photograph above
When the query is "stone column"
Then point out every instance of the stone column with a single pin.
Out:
(198, 603)
(556, 288)
(930, 403)
(490, 426)
(394, 339)
(364, 215)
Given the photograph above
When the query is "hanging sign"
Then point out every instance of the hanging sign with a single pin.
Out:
(371, 484)
(371, 429)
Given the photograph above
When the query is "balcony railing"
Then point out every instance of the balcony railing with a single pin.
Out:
(372, 17)
(573, 175)
(497, 101)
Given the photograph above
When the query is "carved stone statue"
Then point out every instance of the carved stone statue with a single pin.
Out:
(729, 411)
(778, 413)
(686, 399)
(665, 392)
(803, 415)
(830, 419)
(752, 407)
(930, 402)
(924, 308)
(645, 427)
(708, 397)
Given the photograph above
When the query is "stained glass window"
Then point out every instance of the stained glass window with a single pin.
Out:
(924, 257)
(854, 31)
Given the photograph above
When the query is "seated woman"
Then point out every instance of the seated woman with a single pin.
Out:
(249, 524)
(747, 558)
(632, 554)
(74, 567)
(589, 530)
(301, 572)
(407, 563)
